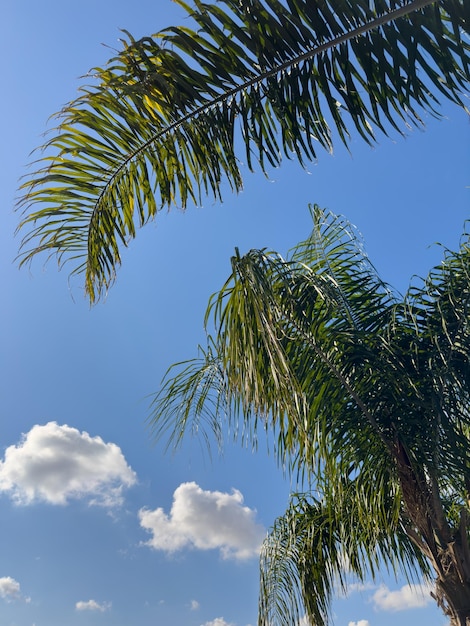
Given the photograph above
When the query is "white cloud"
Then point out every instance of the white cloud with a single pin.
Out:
(9, 588)
(205, 520)
(359, 587)
(92, 605)
(218, 621)
(194, 605)
(408, 597)
(361, 622)
(55, 463)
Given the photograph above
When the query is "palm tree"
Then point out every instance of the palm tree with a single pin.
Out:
(367, 395)
(171, 116)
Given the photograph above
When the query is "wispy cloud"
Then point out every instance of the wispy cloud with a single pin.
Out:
(408, 597)
(205, 520)
(194, 605)
(361, 622)
(54, 464)
(359, 588)
(218, 621)
(92, 605)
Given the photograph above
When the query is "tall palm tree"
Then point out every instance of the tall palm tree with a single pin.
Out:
(171, 116)
(367, 395)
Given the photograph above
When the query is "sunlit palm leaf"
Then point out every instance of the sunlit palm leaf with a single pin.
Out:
(160, 127)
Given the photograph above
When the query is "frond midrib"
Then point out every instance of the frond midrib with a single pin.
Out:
(257, 79)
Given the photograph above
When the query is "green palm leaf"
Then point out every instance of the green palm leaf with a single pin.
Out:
(161, 125)
(318, 547)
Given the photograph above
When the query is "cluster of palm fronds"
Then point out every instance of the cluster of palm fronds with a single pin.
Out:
(367, 394)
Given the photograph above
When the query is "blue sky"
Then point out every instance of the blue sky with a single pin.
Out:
(99, 525)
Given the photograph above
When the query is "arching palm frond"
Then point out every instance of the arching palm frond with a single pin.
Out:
(161, 125)
(194, 399)
(322, 545)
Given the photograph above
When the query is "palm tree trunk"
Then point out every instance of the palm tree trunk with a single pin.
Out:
(447, 549)
(453, 595)
(453, 581)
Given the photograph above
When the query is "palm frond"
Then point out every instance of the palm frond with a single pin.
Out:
(335, 250)
(439, 307)
(160, 126)
(194, 399)
(323, 544)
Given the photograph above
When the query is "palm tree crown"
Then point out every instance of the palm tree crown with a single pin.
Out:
(367, 394)
(170, 117)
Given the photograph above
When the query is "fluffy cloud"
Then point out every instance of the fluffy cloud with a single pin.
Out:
(361, 622)
(205, 520)
(408, 597)
(194, 605)
(55, 463)
(92, 605)
(9, 588)
(218, 621)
